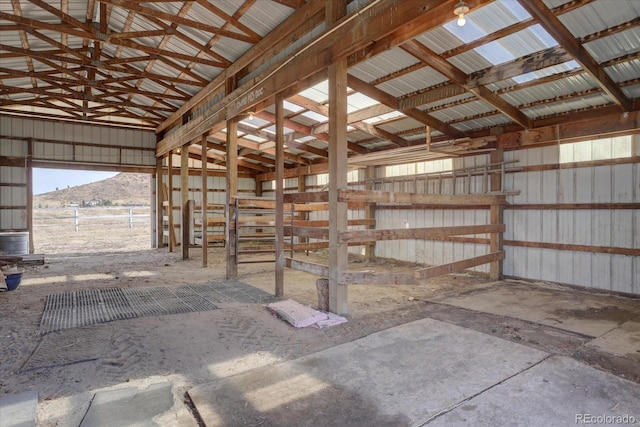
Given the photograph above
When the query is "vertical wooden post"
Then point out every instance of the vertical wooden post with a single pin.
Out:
(338, 252)
(302, 187)
(172, 238)
(29, 166)
(279, 195)
(497, 217)
(370, 212)
(205, 203)
(76, 222)
(159, 203)
(184, 200)
(232, 191)
(130, 218)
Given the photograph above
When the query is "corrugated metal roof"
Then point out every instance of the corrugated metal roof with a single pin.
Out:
(401, 125)
(382, 65)
(567, 106)
(614, 46)
(470, 62)
(263, 17)
(409, 83)
(483, 123)
(551, 90)
(461, 111)
(599, 15)
(625, 71)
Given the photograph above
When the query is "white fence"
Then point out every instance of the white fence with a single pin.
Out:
(76, 217)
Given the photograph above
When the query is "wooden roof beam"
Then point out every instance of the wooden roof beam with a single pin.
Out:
(457, 76)
(389, 100)
(178, 20)
(563, 36)
(288, 26)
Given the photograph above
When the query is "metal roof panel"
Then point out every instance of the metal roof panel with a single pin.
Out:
(383, 64)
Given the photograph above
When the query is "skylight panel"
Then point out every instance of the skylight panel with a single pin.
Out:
(359, 101)
(254, 138)
(255, 122)
(518, 11)
(315, 116)
(306, 138)
(495, 53)
(318, 93)
(272, 130)
(294, 108)
(469, 33)
(543, 36)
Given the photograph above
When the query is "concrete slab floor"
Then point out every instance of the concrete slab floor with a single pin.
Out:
(557, 392)
(18, 410)
(401, 376)
(577, 311)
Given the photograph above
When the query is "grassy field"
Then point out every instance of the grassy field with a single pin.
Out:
(91, 230)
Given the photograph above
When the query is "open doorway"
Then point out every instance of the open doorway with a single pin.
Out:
(83, 212)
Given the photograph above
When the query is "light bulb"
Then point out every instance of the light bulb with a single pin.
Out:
(250, 115)
(460, 9)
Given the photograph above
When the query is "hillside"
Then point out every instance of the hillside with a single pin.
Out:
(122, 189)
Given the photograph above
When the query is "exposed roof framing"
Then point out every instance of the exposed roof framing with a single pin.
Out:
(517, 66)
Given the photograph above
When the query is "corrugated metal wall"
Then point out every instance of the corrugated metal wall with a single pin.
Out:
(61, 144)
(56, 141)
(571, 184)
(619, 227)
(13, 188)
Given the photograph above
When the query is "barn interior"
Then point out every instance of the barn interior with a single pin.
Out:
(460, 181)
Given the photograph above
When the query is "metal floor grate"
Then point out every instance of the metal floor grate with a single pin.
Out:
(88, 307)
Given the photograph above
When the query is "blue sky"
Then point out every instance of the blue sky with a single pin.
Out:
(46, 180)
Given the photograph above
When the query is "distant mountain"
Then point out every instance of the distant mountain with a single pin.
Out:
(122, 189)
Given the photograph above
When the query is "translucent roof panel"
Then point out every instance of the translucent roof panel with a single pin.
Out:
(383, 117)
(318, 93)
(357, 101)
(487, 20)
(315, 116)
(254, 138)
(294, 108)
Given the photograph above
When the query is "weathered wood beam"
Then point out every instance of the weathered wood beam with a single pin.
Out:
(457, 76)
(417, 233)
(372, 278)
(391, 101)
(457, 266)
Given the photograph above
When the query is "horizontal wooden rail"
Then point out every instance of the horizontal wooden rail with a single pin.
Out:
(373, 278)
(312, 232)
(308, 267)
(312, 197)
(457, 266)
(325, 223)
(412, 198)
(417, 233)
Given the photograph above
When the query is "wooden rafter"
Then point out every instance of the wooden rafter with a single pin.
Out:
(563, 36)
(457, 76)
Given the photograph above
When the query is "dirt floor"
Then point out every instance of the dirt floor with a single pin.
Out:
(69, 366)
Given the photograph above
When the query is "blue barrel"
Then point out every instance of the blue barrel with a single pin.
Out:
(14, 243)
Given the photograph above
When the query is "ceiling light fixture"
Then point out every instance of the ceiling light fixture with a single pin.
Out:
(460, 9)
(251, 115)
